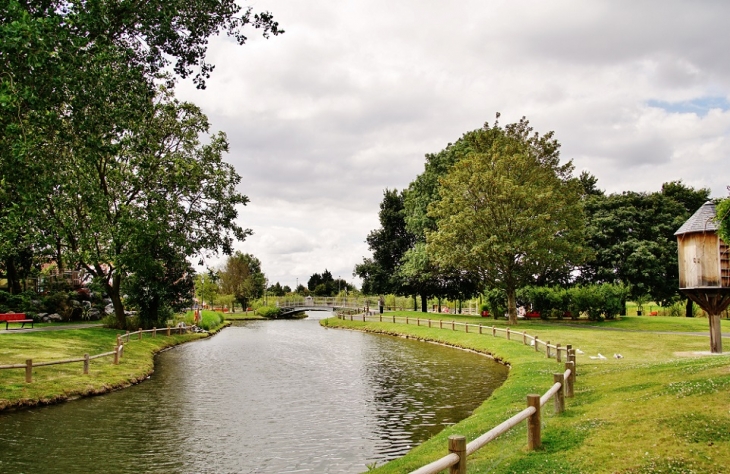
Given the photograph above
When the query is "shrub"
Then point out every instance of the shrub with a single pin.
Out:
(268, 311)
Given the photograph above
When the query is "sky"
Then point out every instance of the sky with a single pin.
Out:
(346, 103)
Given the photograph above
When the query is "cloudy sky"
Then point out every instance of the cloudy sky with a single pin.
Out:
(346, 103)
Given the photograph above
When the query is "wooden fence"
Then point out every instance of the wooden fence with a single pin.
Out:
(118, 352)
(563, 386)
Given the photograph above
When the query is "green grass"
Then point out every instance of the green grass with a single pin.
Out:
(662, 408)
(243, 316)
(61, 382)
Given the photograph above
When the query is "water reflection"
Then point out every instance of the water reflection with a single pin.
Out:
(261, 397)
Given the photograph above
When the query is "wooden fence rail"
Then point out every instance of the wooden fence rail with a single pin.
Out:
(563, 386)
(118, 353)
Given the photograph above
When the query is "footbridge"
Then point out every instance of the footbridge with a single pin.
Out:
(291, 305)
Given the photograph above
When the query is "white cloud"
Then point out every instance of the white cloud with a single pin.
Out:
(350, 98)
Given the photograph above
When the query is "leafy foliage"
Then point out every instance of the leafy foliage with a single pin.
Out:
(243, 278)
(509, 212)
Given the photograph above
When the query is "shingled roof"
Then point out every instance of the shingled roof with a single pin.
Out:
(701, 221)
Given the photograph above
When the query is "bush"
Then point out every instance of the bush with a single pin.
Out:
(599, 302)
(268, 311)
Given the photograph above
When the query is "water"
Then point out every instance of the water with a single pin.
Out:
(261, 397)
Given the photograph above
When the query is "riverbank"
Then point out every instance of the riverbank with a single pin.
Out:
(58, 383)
(662, 407)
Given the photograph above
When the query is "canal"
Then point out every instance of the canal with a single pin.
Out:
(259, 397)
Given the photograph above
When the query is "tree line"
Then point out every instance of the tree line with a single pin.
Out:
(497, 211)
(101, 167)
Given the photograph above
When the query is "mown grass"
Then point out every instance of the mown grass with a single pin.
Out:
(661, 408)
(61, 382)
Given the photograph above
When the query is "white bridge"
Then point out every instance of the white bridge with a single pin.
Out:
(291, 305)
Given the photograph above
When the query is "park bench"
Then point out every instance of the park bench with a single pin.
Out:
(15, 318)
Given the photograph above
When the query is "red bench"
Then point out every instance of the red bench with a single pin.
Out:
(15, 318)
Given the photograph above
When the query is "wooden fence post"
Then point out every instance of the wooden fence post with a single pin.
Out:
(570, 380)
(453, 328)
(480, 329)
(381, 317)
(29, 370)
(394, 318)
(154, 332)
(140, 333)
(127, 336)
(466, 327)
(508, 332)
(121, 351)
(116, 355)
(457, 445)
(363, 318)
(86, 364)
(418, 321)
(547, 349)
(533, 423)
(524, 338)
(560, 395)
(571, 358)
(536, 344)
(441, 323)
(407, 318)
(429, 322)
(558, 357)
(494, 331)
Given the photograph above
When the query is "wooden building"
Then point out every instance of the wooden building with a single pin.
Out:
(704, 267)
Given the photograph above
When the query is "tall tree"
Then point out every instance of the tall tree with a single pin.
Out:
(632, 238)
(242, 277)
(509, 210)
(388, 244)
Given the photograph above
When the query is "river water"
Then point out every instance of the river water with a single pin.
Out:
(260, 397)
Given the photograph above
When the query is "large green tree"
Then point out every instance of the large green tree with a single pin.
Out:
(242, 277)
(508, 211)
(389, 243)
(632, 238)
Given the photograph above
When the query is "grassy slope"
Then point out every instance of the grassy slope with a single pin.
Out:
(60, 382)
(655, 410)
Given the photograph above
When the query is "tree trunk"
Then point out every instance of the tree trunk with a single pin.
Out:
(114, 293)
(415, 303)
(439, 301)
(424, 303)
(688, 309)
(512, 305)
(12, 275)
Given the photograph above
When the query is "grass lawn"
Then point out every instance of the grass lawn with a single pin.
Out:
(662, 408)
(60, 382)
(243, 316)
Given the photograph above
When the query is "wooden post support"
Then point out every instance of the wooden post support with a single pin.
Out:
(381, 317)
(119, 340)
(457, 445)
(429, 322)
(121, 351)
(536, 344)
(524, 338)
(29, 370)
(558, 357)
(116, 355)
(86, 364)
(508, 332)
(407, 320)
(441, 323)
(494, 331)
(571, 358)
(127, 336)
(453, 328)
(154, 332)
(168, 330)
(418, 321)
(480, 329)
(547, 349)
(533, 423)
(571, 379)
(140, 333)
(560, 395)
(715, 334)
(393, 318)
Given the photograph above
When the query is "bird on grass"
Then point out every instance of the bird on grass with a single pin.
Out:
(599, 357)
